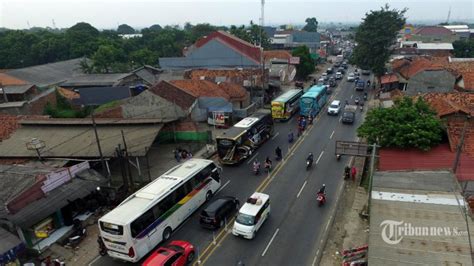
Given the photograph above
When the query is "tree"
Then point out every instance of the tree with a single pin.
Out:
(82, 39)
(311, 25)
(125, 29)
(374, 37)
(464, 48)
(143, 57)
(105, 57)
(200, 30)
(155, 27)
(408, 124)
(306, 65)
(251, 34)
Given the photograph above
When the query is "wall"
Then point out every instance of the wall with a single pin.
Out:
(35, 106)
(430, 81)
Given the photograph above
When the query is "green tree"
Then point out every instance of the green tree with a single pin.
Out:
(464, 48)
(155, 27)
(143, 57)
(200, 30)
(82, 39)
(311, 25)
(406, 125)
(374, 37)
(125, 29)
(251, 34)
(306, 65)
(105, 57)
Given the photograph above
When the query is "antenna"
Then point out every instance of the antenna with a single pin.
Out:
(449, 15)
(54, 24)
(28, 23)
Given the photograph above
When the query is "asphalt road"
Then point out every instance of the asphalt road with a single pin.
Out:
(291, 235)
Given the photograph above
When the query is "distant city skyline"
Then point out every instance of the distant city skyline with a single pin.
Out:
(108, 14)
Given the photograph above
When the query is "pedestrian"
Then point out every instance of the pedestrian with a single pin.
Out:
(353, 173)
(177, 156)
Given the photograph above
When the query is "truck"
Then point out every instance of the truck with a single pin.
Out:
(348, 117)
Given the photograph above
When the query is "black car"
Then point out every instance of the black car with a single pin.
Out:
(218, 211)
(342, 70)
(329, 70)
(344, 65)
(332, 82)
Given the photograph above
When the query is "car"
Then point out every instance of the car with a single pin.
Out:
(334, 108)
(341, 69)
(218, 212)
(332, 82)
(344, 65)
(329, 70)
(360, 85)
(338, 75)
(365, 72)
(351, 77)
(325, 77)
(176, 253)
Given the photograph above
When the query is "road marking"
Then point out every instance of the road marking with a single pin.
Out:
(327, 226)
(315, 257)
(352, 96)
(226, 183)
(332, 134)
(251, 158)
(319, 158)
(299, 193)
(340, 118)
(276, 135)
(92, 262)
(271, 240)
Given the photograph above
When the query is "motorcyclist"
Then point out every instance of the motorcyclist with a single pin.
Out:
(268, 164)
(278, 153)
(310, 157)
(290, 137)
(322, 190)
(256, 166)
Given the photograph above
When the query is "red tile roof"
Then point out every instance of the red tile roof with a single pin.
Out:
(174, 94)
(452, 102)
(232, 41)
(278, 54)
(68, 94)
(200, 88)
(9, 80)
(408, 69)
(8, 125)
(439, 157)
(455, 128)
(433, 30)
(237, 76)
(389, 78)
(235, 91)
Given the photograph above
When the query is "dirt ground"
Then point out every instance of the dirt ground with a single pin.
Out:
(349, 230)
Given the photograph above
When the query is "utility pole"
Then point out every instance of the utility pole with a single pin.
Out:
(262, 61)
(371, 175)
(460, 145)
(104, 168)
(132, 184)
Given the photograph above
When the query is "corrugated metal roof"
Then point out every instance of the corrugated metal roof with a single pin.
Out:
(9, 241)
(440, 248)
(68, 141)
(95, 80)
(439, 157)
(17, 89)
(435, 46)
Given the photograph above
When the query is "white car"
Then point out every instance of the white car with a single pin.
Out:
(334, 107)
(338, 75)
(351, 77)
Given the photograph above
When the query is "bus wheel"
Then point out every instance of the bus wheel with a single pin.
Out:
(208, 195)
(167, 233)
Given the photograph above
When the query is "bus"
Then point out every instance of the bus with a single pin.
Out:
(313, 101)
(238, 142)
(285, 105)
(150, 215)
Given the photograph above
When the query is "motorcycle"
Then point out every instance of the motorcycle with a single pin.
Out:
(309, 163)
(338, 157)
(256, 169)
(321, 199)
(365, 96)
(268, 167)
(290, 137)
(79, 233)
(357, 100)
(102, 248)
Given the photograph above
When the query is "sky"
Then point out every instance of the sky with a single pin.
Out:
(108, 14)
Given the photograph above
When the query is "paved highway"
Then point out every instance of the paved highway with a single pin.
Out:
(291, 235)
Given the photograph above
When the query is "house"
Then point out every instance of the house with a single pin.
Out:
(433, 34)
(462, 31)
(105, 80)
(280, 69)
(217, 50)
(48, 75)
(96, 96)
(150, 75)
(390, 82)
(464, 68)
(289, 39)
(40, 201)
(417, 218)
(435, 49)
(248, 78)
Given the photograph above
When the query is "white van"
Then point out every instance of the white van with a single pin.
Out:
(252, 215)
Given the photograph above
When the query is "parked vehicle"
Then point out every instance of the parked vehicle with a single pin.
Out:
(218, 212)
(351, 77)
(177, 253)
(78, 234)
(334, 107)
(252, 215)
(348, 117)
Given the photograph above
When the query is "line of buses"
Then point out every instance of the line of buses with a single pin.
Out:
(150, 215)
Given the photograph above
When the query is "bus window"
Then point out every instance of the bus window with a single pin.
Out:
(142, 222)
(215, 175)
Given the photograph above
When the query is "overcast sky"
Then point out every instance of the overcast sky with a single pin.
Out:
(107, 14)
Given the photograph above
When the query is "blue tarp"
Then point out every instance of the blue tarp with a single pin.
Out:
(225, 109)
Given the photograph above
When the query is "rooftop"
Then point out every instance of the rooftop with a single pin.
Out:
(95, 80)
(432, 30)
(423, 199)
(435, 46)
(201, 88)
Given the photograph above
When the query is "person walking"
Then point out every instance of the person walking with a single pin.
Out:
(353, 173)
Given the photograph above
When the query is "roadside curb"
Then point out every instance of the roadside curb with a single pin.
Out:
(324, 238)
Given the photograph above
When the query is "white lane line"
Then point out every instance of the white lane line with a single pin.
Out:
(226, 183)
(315, 257)
(340, 118)
(251, 158)
(352, 96)
(276, 135)
(319, 158)
(92, 262)
(332, 134)
(299, 193)
(271, 240)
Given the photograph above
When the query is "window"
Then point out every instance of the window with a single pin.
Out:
(111, 228)
(173, 259)
(142, 222)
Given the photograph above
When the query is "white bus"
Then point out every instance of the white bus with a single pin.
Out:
(150, 215)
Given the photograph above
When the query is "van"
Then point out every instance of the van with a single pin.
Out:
(252, 215)
(218, 212)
